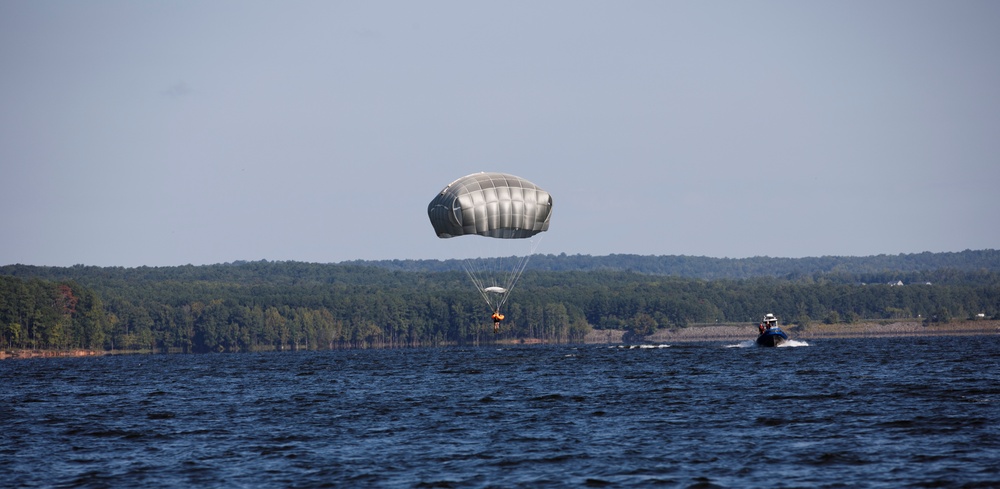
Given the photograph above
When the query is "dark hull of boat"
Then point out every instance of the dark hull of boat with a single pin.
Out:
(772, 338)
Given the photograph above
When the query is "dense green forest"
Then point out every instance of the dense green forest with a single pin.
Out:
(292, 305)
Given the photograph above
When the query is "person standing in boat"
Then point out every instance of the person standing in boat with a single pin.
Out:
(769, 322)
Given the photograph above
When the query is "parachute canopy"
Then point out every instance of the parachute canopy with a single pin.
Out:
(496, 205)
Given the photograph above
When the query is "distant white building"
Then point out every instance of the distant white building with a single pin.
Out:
(898, 282)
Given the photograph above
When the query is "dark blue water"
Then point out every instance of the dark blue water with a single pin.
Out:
(917, 412)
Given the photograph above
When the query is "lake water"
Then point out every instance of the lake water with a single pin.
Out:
(889, 412)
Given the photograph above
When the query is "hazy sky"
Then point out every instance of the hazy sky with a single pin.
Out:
(166, 133)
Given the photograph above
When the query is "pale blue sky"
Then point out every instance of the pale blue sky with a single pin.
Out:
(165, 133)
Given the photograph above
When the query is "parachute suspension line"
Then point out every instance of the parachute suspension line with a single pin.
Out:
(484, 272)
(475, 274)
(515, 273)
(500, 269)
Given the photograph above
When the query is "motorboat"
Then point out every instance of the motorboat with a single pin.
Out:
(770, 333)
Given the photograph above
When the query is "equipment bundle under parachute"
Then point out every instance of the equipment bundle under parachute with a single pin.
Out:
(492, 205)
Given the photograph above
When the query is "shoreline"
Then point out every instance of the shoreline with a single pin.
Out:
(865, 329)
(691, 334)
(17, 354)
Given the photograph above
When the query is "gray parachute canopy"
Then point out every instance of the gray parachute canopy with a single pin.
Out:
(495, 205)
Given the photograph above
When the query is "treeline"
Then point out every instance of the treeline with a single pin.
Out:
(293, 305)
(204, 316)
(43, 314)
(847, 269)
(733, 268)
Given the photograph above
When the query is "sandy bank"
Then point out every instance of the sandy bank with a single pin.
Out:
(814, 331)
(5, 354)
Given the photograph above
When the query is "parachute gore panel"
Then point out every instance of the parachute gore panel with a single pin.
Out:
(496, 205)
